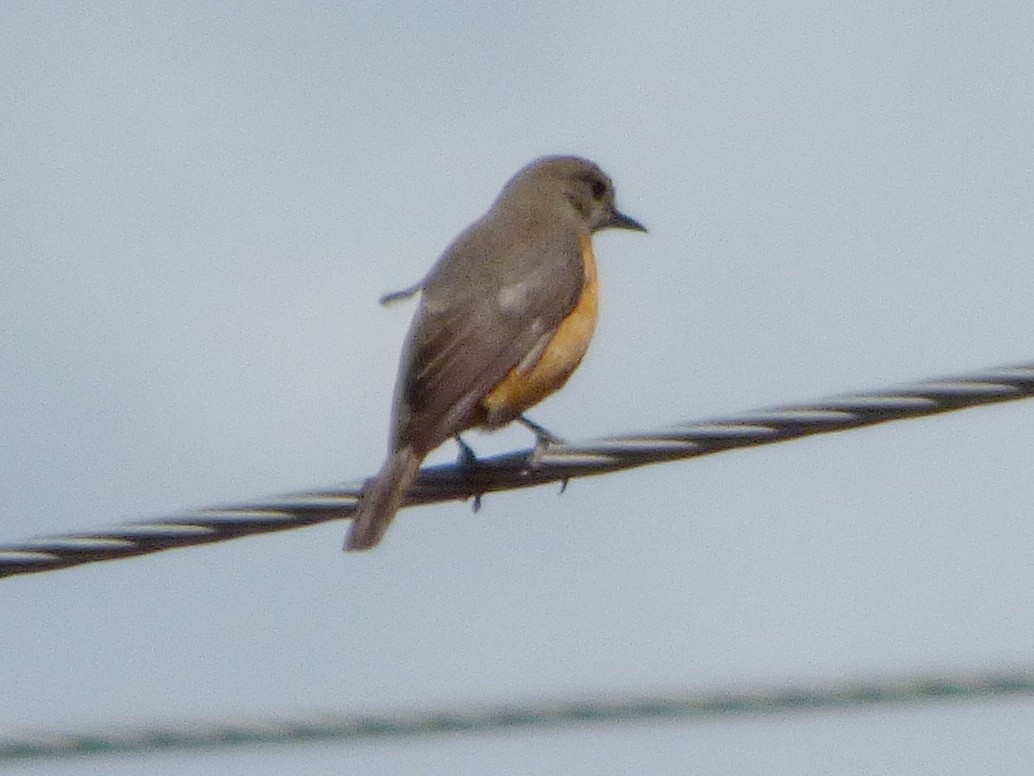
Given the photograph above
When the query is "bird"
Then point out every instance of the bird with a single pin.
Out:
(505, 316)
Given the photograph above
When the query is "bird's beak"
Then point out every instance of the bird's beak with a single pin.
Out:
(619, 220)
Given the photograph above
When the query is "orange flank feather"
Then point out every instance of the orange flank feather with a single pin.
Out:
(523, 387)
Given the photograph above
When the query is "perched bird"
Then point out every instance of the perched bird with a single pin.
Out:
(505, 316)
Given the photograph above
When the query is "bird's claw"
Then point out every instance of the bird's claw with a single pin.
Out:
(544, 438)
(467, 460)
(466, 457)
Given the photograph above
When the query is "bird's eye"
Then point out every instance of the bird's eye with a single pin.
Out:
(599, 188)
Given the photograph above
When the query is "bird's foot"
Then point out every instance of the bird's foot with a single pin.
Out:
(543, 439)
(543, 436)
(468, 461)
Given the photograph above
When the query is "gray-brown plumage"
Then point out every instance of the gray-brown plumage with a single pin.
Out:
(505, 316)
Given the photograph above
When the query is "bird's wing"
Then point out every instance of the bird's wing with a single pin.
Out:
(485, 307)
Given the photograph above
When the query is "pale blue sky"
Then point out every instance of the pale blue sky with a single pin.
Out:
(200, 206)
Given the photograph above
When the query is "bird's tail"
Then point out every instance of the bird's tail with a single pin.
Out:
(382, 499)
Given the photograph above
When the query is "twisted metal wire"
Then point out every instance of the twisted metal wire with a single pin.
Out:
(525, 468)
(682, 706)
